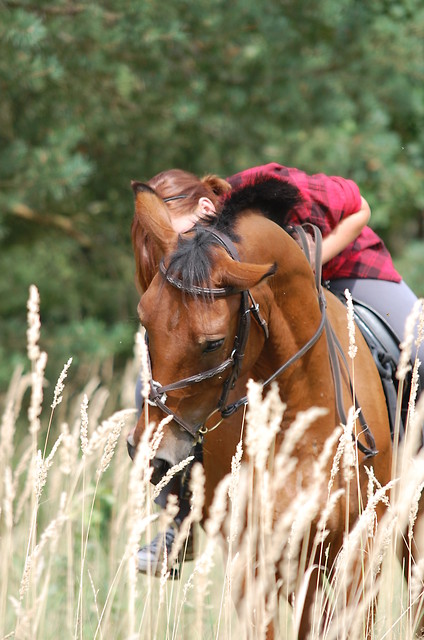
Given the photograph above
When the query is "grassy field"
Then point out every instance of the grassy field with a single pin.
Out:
(74, 510)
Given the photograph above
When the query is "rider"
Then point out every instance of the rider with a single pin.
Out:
(353, 258)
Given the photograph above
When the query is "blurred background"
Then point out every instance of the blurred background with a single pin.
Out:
(93, 95)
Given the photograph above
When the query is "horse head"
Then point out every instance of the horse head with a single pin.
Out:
(196, 313)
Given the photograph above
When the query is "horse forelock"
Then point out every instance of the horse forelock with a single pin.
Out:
(192, 261)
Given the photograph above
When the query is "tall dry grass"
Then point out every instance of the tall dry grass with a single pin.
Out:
(74, 509)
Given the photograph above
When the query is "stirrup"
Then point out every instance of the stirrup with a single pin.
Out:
(150, 557)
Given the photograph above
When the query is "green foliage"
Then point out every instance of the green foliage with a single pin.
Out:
(411, 264)
(96, 94)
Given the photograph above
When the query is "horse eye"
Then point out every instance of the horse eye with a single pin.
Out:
(213, 345)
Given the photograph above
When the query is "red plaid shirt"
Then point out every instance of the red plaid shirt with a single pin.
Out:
(326, 200)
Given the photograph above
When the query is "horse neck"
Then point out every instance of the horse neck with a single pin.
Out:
(294, 317)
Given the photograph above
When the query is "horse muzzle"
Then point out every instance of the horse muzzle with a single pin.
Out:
(160, 466)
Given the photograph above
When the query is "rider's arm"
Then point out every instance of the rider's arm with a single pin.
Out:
(345, 232)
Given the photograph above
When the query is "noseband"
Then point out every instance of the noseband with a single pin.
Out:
(248, 307)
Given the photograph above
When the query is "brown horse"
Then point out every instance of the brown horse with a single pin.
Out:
(238, 299)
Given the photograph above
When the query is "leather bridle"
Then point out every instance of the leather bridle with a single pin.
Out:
(248, 307)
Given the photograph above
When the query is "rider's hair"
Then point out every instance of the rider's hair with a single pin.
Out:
(176, 182)
(169, 184)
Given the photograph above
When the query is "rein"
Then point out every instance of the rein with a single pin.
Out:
(157, 394)
(335, 349)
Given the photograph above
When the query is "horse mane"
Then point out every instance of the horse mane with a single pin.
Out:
(192, 260)
(273, 197)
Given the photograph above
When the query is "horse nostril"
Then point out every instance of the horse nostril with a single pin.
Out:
(160, 467)
(131, 446)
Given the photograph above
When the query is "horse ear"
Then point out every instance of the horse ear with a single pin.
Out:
(243, 275)
(153, 216)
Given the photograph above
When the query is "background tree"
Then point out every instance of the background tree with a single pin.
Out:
(95, 94)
